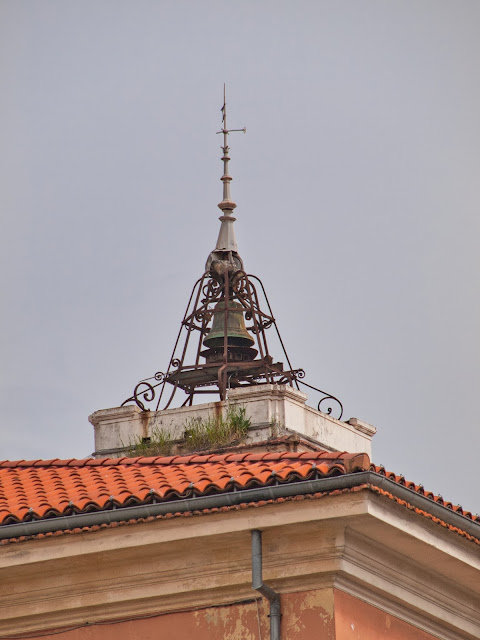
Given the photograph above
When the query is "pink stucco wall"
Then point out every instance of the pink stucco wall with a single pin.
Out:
(357, 620)
(324, 614)
(306, 615)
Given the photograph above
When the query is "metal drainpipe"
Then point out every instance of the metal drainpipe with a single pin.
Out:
(266, 591)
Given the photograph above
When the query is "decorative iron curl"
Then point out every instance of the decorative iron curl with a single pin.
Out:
(191, 326)
(239, 282)
(291, 376)
(211, 290)
(200, 315)
(175, 363)
(159, 376)
(329, 408)
(149, 391)
(285, 379)
(327, 397)
(262, 325)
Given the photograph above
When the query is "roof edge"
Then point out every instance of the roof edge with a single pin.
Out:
(198, 503)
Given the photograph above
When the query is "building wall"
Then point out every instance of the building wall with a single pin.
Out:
(178, 576)
(357, 620)
(324, 614)
(306, 615)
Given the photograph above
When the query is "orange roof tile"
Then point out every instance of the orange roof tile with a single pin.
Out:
(418, 488)
(38, 489)
(42, 489)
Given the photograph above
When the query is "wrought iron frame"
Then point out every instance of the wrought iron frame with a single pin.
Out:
(206, 378)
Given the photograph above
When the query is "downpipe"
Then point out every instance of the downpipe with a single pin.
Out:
(257, 583)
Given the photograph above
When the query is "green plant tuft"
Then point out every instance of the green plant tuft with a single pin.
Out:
(199, 435)
(160, 443)
(216, 432)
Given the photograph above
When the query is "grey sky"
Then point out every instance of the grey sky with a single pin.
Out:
(357, 186)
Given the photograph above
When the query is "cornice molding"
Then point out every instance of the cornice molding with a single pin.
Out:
(179, 563)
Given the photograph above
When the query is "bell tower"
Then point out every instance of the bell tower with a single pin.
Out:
(222, 342)
(224, 347)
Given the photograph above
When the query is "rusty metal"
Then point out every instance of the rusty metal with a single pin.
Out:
(329, 402)
(236, 295)
(226, 315)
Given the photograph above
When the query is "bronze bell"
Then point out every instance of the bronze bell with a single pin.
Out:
(239, 341)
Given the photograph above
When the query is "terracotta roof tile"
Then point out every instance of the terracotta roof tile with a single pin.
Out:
(250, 505)
(53, 487)
(39, 489)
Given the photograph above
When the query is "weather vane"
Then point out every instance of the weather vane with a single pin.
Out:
(226, 238)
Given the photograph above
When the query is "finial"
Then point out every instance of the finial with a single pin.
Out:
(227, 203)
(226, 247)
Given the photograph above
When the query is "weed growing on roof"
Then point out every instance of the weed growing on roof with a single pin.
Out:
(216, 432)
(160, 443)
(199, 435)
(275, 427)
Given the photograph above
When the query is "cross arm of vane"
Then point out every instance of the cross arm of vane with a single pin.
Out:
(230, 130)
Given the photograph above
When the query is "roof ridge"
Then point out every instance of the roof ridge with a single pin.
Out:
(191, 458)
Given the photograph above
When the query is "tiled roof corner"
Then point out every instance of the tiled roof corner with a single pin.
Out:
(49, 489)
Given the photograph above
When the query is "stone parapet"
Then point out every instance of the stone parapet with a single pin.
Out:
(273, 410)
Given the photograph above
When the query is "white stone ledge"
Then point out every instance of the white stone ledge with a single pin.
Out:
(273, 409)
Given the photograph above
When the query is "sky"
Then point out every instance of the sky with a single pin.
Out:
(358, 193)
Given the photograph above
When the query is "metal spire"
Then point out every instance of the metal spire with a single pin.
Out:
(226, 247)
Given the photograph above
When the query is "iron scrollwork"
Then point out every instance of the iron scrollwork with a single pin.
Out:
(329, 408)
(229, 288)
(326, 400)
